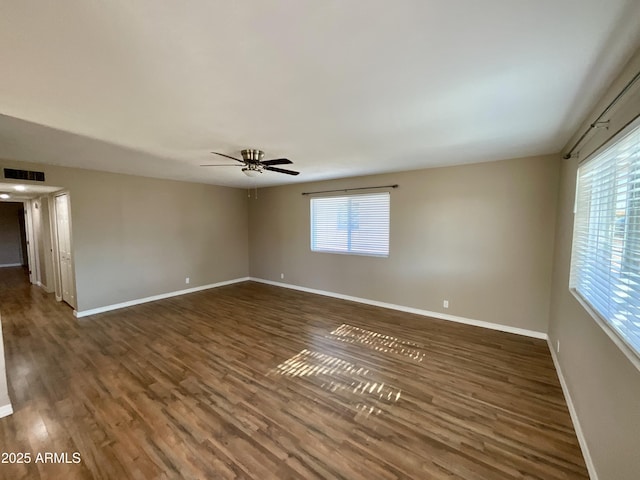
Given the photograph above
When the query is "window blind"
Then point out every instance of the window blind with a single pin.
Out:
(605, 261)
(357, 224)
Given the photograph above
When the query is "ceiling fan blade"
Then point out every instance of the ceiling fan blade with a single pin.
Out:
(232, 158)
(223, 165)
(282, 170)
(277, 161)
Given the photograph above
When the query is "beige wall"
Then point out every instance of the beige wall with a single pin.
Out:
(10, 240)
(135, 237)
(603, 383)
(480, 236)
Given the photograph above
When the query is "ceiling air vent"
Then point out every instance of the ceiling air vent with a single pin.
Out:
(24, 175)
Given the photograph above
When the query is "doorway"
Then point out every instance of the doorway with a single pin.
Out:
(35, 232)
(13, 235)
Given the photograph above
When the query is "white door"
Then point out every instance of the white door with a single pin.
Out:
(29, 232)
(64, 249)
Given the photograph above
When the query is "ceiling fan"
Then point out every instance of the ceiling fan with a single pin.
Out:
(252, 163)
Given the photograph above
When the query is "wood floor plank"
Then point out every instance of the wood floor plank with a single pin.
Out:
(257, 382)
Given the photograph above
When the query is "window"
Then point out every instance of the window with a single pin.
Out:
(357, 224)
(605, 262)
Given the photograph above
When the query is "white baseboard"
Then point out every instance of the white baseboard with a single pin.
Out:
(6, 410)
(138, 301)
(6, 265)
(593, 475)
(44, 287)
(417, 311)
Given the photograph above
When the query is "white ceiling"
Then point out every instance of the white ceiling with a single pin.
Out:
(30, 191)
(341, 88)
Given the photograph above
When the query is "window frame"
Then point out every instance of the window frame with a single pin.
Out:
(350, 252)
(618, 339)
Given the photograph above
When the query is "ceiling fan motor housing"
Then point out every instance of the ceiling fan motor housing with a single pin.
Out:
(251, 155)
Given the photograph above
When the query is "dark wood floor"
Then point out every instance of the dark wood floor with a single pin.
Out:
(254, 381)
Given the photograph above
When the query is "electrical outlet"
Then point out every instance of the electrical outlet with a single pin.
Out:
(282, 276)
(445, 304)
(558, 346)
(187, 280)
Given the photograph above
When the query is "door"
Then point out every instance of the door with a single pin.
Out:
(33, 239)
(29, 254)
(64, 249)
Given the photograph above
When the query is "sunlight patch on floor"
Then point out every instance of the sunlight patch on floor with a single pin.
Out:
(355, 384)
(379, 342)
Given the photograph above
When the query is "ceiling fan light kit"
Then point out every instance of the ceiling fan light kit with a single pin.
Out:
(251, 172)
(252, 163)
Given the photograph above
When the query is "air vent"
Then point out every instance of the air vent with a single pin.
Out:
(24, 175)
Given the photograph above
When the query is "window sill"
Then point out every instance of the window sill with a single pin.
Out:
(628, 351)
(356, 254)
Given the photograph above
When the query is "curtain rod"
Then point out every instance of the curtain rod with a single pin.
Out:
(350, 189)
(598, 121)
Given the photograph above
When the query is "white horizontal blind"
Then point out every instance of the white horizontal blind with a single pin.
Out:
(605, 262)
(357, 224)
